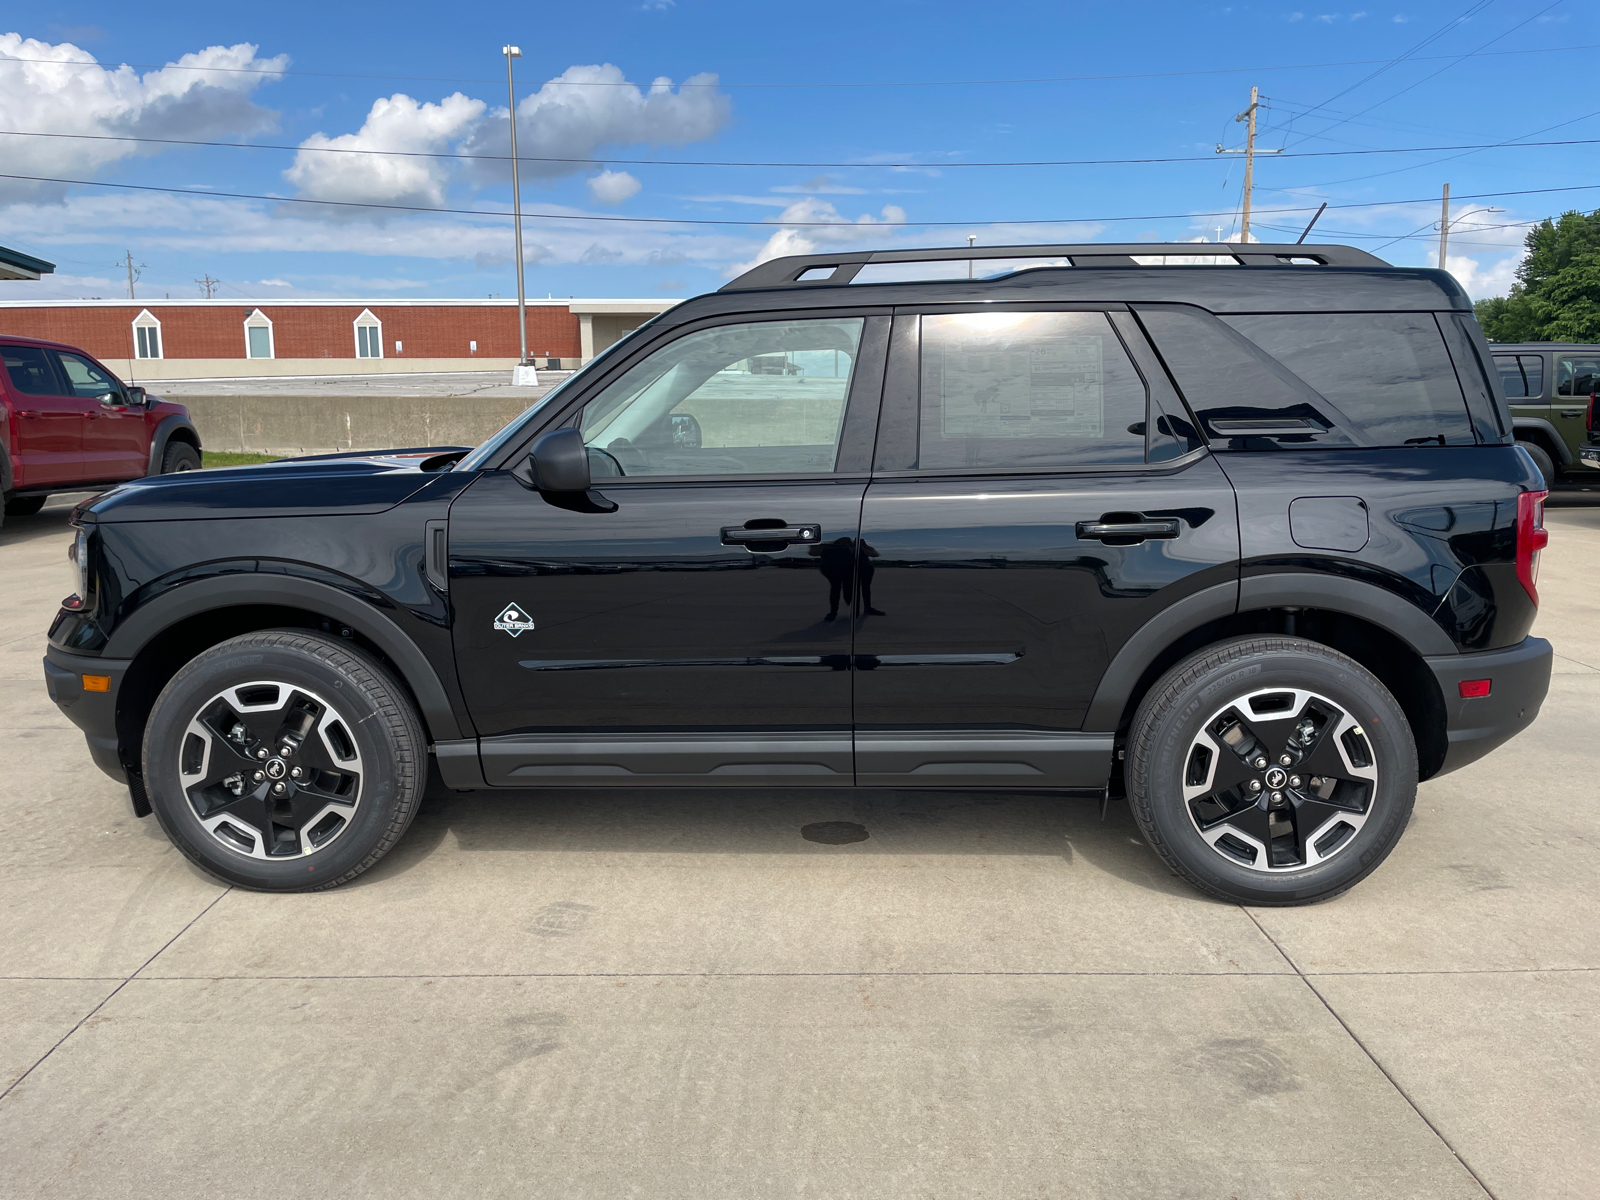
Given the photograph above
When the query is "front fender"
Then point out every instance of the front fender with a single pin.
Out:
(215, 592)
(163, 435)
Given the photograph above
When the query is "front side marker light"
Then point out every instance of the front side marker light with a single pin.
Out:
(97, 683)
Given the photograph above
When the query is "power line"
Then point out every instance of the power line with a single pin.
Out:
(1511, 143)
(1357, 62)
(479, 212)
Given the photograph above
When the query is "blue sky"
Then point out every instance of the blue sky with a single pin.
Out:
(891, 98)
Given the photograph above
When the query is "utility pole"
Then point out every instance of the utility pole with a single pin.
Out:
(972, 240)
(134, 270)
(523, 365)
(208, 285)
(1249, 153)
(1444, 227)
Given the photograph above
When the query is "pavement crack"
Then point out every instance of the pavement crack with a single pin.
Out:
(17, 1082)
(1371, 1057)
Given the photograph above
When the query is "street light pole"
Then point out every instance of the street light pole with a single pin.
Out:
(512, 52)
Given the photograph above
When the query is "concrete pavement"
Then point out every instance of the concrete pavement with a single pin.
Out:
(576, 994)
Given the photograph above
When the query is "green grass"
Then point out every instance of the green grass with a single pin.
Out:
(227, 458)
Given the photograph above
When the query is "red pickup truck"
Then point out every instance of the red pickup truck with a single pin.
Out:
(69, 425)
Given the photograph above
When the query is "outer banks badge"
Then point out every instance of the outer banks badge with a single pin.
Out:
(513, 621)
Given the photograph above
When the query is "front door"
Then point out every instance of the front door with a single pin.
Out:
(115, 441)
(1040, 498)
(49, 426)
(700, 633)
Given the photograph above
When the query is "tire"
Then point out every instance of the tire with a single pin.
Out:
(25, 506)
(179, 456)
(1272, 834)
(214, 753)
(1541, 459)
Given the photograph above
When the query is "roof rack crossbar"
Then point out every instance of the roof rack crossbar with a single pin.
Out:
(842, 268)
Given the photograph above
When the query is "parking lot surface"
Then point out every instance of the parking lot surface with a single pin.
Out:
(614, 993)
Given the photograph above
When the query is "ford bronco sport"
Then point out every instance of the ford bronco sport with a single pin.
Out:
(1251, 545)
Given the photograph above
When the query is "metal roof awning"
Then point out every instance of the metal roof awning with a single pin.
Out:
(16, 265)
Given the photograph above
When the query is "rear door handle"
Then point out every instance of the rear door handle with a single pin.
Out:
(1134, 530)
(788, 535)
(1572, 412)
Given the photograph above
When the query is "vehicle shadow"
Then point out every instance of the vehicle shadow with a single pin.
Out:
(750, 821)
(49, 523)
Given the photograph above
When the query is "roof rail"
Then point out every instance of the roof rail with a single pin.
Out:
(842, 268)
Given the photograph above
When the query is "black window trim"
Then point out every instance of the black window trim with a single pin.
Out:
(1521, 371)
(900, 413)
(856, 435)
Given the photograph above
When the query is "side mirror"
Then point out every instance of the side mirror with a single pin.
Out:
(559, 462)
(137, 397)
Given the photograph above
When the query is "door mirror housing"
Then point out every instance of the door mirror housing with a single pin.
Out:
(138, 398)
(558, 461)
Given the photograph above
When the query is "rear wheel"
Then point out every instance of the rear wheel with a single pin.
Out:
(179, 456)
(284, 761)
(1271, 770)
(1541, 459)
(25, 506)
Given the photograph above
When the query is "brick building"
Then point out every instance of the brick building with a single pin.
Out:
(203, 339)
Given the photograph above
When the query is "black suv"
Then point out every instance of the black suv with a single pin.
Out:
(1249, 543)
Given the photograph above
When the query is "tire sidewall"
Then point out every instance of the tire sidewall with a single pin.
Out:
(1285, 664)
(337, 678)
(174, 452)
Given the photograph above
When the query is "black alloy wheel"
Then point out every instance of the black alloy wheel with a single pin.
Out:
(1271, 770)
(284, 761)
(179, 456)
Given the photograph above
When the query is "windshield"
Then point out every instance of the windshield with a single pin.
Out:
(486, 450)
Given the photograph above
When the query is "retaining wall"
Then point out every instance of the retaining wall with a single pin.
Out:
(321, 424)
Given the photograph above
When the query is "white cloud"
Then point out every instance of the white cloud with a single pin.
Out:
(587, 107)
(202, 95)
(613, 187)
(833, 228)
(396, 123)
(1481, 281)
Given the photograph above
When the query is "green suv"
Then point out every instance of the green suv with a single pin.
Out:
(1551, 387)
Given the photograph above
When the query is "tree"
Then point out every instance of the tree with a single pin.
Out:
(1557, 294)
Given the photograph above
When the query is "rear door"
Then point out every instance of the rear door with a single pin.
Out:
(1038, 497)
(1577, 383)
(49, 425)
(699, 631)
(115, 439)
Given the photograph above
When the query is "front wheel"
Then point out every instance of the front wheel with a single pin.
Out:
(179, 456)
(284, 761)
(1271, 770)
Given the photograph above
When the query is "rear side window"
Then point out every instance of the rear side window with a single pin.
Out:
(1028, 389)
(29, 370)
(1512, 382)
(1388, 373)
(1521, 375)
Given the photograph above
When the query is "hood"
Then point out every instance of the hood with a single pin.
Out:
(321, 485)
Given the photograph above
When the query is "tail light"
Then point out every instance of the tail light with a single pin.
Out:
(1531, 538)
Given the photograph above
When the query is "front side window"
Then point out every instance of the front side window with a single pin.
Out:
(1027, 389)
(85, 379)
(1388, 373)
(29, 370)
(761, 398)
(1578, 376)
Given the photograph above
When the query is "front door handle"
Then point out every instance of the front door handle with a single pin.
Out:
(1126, 531)
(775, 536)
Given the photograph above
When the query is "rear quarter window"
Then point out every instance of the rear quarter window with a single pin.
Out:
(1389, 373)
